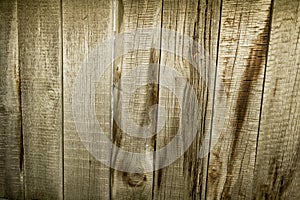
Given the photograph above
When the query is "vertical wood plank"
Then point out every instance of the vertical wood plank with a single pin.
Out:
(199, 20)
(86, 24)
(11, 152)
(242, 55)
(40, 68)
(277, 169)
(133, 15)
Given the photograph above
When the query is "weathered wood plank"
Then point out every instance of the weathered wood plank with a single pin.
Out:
(241, 62)
(40, 69)
(277, 169)
(11, 152)
(86, 24)
(199, 20)
(135, 183)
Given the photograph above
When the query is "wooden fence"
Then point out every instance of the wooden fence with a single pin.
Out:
(255, 45)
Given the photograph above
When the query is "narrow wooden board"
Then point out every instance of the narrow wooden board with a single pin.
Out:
(131, 16)
(241, 63)
(86, 24)
(40, 68)
(11, 149)
(199, 21)
(277, 169)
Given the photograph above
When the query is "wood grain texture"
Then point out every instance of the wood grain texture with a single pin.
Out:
(40, 68)
(11, 152)
(199, 20)
(241, 62)
(86, 24)
(46, 44)
(277, 168)
(132, 15)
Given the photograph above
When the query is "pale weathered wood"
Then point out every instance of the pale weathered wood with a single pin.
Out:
(277, 169)
(199, 20)
(132, 15)
(241, 62)
(40, 69)
(257, 154)
(86, 24)
(11, 150)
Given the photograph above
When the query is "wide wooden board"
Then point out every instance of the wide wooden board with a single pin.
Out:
(86, 24)
(242, 56)
(11, 144)
(197, 21)
(41, 92)
(277, 168)
(135, 182)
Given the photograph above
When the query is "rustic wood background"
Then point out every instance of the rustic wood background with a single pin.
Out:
(257, 50)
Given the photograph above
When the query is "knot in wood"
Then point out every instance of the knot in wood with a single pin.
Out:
(213, 172)
(134, 179)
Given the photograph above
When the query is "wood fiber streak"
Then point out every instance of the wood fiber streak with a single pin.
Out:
(11, 144)
(86, 25)
(40, 70)
(277, 169)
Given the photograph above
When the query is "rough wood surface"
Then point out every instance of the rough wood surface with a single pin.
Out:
(45, 44)
(11, 152)
(199, 20)
(85, 25)
(277, 169)
(132, 15)
(40, 68)
(241, 62)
